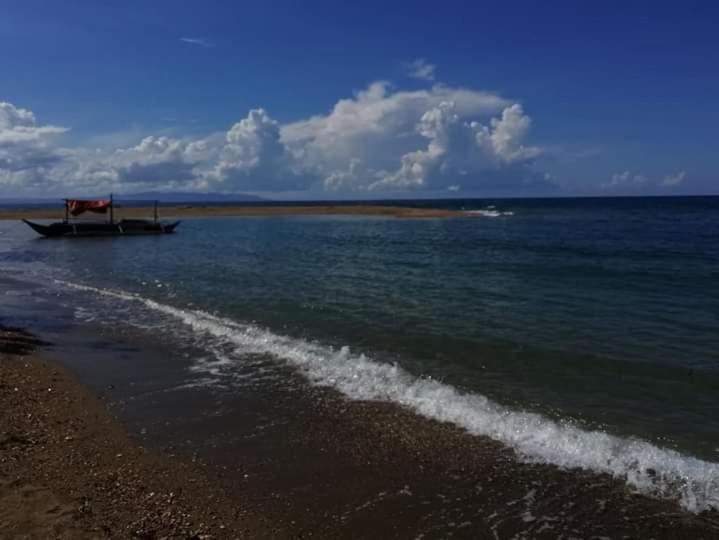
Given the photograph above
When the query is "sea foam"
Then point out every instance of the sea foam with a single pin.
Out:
(649, 469)
(488, 212)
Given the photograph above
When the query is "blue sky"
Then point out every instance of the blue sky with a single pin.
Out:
(614, 97)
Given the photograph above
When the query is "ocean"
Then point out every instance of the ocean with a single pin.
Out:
(578, 333)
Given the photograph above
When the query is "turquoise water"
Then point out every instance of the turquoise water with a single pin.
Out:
(591, 321)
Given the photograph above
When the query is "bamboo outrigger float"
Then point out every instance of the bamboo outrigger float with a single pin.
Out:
(71, 227)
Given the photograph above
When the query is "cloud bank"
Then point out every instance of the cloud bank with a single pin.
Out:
(27, 152)
(380, 140)
(629, 182)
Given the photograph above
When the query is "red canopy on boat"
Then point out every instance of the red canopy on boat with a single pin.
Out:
(77, 206)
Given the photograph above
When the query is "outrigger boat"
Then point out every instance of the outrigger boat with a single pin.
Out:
(71, 227)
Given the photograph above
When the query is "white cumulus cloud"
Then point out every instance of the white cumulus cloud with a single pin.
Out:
(379, 139)
(253, 158)
(479, 154)
(19, 126)
(624, 179)
(674, 179)
(27, 155)
(421, 139)
(631, 182)
(422, 70)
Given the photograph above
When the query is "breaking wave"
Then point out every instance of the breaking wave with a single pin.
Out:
(488, 212)
(651, 470)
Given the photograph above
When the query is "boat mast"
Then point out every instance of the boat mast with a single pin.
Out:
(67, 211)
(155, 211)
(112, 211)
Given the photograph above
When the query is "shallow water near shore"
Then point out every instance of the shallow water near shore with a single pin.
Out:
(579, 334)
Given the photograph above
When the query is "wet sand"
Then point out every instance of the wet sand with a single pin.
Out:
(340, 469)
(199, 211)
(285, 460)
(68, 469)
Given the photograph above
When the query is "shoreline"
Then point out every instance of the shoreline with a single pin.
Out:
(68, 468)
(323, 467)
(201, 211)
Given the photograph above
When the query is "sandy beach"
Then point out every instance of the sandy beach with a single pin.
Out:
(199, 211)
(328, 469)
(69, 470)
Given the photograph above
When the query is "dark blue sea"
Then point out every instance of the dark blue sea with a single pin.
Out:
(578, 332)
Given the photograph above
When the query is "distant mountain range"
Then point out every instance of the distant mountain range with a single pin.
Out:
(166, 197)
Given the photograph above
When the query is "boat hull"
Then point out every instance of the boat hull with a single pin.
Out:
(126, 227)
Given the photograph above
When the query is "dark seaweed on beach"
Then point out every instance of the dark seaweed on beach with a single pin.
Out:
(18, 341)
